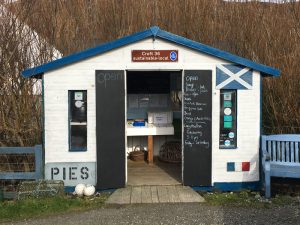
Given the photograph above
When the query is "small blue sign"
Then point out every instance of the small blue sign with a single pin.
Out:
(231, 135)
(227, 103)
(228, 118)
(227, 143)
(173, 56)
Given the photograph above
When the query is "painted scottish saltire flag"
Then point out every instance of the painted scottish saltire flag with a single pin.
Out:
(233, 77)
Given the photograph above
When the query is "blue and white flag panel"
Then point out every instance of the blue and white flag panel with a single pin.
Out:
(233, 77)
(238, 166)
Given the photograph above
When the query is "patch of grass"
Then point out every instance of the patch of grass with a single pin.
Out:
(247, 199)
(30, 208)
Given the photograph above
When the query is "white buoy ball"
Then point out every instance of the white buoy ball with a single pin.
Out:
(79, 189)
(89, 190)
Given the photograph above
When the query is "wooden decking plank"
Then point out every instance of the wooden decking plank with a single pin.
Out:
(146, 194)
(162, 194)
(154, 194)
(173, 194)
(126, 196)
(136, 195)
(120, 196)
(187, 194)
(181, 193)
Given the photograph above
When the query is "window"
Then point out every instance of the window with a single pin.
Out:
(78, 120)
(228, 135)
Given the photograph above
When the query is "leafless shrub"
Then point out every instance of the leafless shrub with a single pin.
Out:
(265, 33)
(20, 102)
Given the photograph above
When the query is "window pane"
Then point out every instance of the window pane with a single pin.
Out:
(78, 137)
(78, 106)
(228, 135)
(77, 120)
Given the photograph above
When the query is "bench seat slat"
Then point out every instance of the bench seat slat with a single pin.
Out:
(285, 170)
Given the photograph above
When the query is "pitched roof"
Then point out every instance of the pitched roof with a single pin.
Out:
(154, 32)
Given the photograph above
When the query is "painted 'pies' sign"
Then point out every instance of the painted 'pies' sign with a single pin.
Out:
(154, 55)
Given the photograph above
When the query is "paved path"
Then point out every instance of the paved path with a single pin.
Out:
(154, 194)
(175, 214)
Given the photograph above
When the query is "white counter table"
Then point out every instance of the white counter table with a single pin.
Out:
(150, 130)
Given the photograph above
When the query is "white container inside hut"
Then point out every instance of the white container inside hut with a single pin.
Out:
(152, 108)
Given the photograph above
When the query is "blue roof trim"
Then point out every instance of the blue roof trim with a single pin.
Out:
(154, 30)
(217, 53)
(87, 53)
(151, 32)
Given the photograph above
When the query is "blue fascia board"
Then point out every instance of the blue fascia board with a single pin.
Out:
(87, 53)
(266, 70)
(151, 32)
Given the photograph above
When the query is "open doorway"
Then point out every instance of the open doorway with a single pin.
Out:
(154, 131)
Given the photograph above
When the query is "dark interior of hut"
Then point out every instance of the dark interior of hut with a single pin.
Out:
(154, 121)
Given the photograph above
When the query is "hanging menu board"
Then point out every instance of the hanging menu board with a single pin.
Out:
(197, 112)
(228, 132)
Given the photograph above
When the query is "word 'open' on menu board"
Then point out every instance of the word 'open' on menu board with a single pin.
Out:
(197, 110)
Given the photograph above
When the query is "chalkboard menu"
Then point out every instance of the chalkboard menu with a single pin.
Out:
(197, 112)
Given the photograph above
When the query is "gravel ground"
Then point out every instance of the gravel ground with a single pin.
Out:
(190, 213)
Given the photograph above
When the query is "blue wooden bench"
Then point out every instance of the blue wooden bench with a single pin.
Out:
(280, 157)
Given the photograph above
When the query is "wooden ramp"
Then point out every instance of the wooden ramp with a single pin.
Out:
(154, 194)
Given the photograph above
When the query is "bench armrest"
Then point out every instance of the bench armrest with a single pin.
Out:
(266, 160)
(266, 156)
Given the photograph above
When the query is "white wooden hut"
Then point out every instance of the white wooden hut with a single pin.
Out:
(101, 103)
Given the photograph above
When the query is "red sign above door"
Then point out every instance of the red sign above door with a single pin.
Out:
(154, 55)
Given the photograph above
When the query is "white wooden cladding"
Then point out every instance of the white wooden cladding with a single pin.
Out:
(81, 76)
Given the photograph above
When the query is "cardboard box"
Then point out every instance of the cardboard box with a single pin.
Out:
(160, 117)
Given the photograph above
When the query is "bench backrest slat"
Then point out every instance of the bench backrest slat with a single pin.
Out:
(282, 148)
(296, 152)
(271, 150)
(291, 150)
(279, 151)
(283, 152)
(274, 150)
(287, 151)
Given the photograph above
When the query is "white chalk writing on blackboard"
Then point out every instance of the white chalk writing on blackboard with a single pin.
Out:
(195, 106)
(104, 77)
